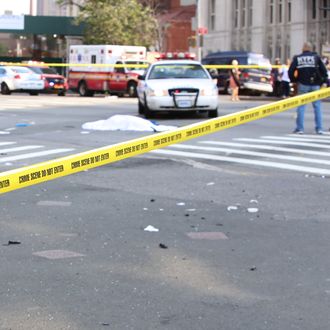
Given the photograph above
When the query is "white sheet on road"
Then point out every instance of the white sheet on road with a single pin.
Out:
(126, 123)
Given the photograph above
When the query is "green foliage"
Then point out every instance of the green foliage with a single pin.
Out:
(125, 22)
(3, 50)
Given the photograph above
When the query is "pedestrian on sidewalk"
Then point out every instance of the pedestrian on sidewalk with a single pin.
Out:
(308, 70)
(234, 81)
(276, 78)
(285, 79)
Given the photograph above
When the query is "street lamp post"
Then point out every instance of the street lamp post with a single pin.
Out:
(198, 36)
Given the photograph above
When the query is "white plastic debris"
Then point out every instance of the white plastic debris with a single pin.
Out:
(232, 208)
(84, 132)
(252, 210)
(125, 123)
(181, 204)
(210, 184)
(4, 132)
(254, 201)
(151, 229)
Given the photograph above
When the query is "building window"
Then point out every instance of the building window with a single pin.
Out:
(236, 13)
(212, 15)
(325, 5)
(280, 9)
(313, 9)
(243, 13)
(279, 52)
(271, 11)
(289, 11)
(250, 12)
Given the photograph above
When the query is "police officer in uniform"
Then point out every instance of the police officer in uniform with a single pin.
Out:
(308, 70)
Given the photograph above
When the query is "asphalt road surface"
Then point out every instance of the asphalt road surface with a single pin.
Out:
(242, 218)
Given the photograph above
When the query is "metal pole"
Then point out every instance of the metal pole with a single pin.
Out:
(198, 37)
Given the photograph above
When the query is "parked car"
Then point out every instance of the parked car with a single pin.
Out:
(20, 79)
(54, 82)
(252, 80)
(177, 85)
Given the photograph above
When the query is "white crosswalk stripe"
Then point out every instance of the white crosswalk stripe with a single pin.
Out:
(298, 139)
(300, 153)
(23, 153)
(291, 143)
(265, 147)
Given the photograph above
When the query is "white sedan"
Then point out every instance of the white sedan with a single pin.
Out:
(177, 85)
(20, 79)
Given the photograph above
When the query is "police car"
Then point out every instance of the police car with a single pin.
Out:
(177, 84)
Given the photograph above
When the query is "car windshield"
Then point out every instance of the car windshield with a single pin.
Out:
(43, 70)
(21, 70)
(178, 71)
(261, 61)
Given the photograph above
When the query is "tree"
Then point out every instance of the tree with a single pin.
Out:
(3, 50)
(116, 22)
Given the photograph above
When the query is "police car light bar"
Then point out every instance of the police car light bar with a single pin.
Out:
(176, 56)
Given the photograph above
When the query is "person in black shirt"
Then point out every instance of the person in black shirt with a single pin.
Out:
(308, 70)
(277, 85)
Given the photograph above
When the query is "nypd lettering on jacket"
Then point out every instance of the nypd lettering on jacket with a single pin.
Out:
(306, 62)
(307, 68)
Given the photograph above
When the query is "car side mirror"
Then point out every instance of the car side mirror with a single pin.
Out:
(142, 77)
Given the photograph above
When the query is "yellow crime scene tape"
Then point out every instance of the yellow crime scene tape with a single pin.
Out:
(49, 170)
(208, 66)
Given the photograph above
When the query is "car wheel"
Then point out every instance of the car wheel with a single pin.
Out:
(213, 113)
(147, 112)
(83, 90)
(5, 89)
(131, 89)
(61, 93)
(141, 108)
(34, 93)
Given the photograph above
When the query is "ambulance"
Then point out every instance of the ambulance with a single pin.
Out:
(112, 69)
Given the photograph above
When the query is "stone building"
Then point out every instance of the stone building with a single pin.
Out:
(276, 28)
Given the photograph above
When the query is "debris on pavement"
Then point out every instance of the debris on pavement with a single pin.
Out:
(207, 235)
(252, 209)
(57, 254)
(253, 268)
(12, 243)
(232, 208)
(22, 124)
(151, 229)
(163, 246)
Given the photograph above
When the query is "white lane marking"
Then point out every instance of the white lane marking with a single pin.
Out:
(33, 155)
(314, 145)
(8, 150)
(7, 143)
(325, 136)
(302, 139)
(284, 166)
(263, 147)
(253, 153)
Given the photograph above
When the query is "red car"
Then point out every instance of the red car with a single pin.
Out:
(54, 82)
